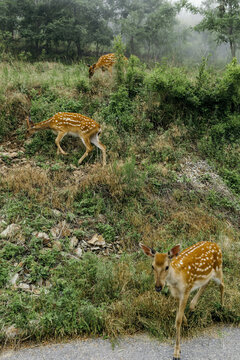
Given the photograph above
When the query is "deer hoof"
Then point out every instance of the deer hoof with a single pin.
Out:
(174, 358)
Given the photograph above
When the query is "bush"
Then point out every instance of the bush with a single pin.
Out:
(119, 111)
(134, 77)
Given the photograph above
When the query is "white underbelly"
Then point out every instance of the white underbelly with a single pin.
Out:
(73, 134)
(203, 281)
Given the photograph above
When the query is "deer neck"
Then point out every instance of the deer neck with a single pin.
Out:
(174, 282)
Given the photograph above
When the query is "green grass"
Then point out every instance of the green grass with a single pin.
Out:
(151, 122)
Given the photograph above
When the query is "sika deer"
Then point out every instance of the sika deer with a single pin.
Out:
(185, 272)
(73, 124)
(105, 62)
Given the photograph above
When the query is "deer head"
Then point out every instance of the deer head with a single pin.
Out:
(30, 125)
(91, 70)
(160, 264)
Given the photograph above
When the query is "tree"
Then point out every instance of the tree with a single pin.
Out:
(145, 25)
(222, 17)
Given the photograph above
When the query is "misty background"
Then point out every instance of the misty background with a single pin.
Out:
(70, 30)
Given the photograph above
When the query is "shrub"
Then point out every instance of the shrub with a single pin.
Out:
(134, 77)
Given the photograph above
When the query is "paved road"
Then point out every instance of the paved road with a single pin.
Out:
(219, 344)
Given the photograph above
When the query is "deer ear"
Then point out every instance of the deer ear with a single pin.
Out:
(174, 251)
(29, 121)
(147, 250)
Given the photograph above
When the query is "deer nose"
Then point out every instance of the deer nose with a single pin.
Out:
(158, 288)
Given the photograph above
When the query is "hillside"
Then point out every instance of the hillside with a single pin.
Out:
(69, 234)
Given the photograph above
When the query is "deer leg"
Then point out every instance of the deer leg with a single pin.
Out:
(57, 142)
(194, 301)
(179, 317)
(185, 319)
(219, 279)
(89, 148)
(95, 140)
(222, 293)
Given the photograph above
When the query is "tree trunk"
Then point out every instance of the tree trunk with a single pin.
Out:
(233, 48)
(132, 45)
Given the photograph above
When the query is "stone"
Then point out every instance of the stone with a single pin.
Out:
(61, 230)
(56, 212)
(78, 252)
(24, 286)
(10, 231)
(57, 245)
(11, 332)
(73, 242)
(10, 155)
(44, 236)
(41, 235)
(14, 279)
(97, 240)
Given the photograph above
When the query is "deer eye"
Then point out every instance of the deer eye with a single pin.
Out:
(166, 268)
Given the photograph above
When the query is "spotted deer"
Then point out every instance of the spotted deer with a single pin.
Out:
(185, 272)
(73, 124)
(105, 62)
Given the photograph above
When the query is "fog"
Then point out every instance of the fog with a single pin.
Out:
(187, 18)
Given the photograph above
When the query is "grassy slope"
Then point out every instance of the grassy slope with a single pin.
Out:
(146, 193)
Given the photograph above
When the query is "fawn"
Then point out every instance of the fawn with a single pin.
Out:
(185, 272)
(73, 124)
(105, 62)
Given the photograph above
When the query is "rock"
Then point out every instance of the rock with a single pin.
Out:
(10, 155)
(10, 231)
(41, 235)
(54, 232)
(11, 332)
(48, 284)
(61, 230)
(24, 286)
(36, 291)
(56, 212)
(97, 240)
(14, 279)
(78, 252)
(57, 245)
(84, 244)
(44, 236)
(95, 248)
(73, 242)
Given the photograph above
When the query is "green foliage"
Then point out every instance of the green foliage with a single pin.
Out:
(226, 132)
(107, 231)
(4, 271)
(120, 63)
(119, 110)
(134, 77)
(83, 85)
(220, 18)
(143, 194)
(12, 251)
(87, 204)
(131, 179)
(70, 26)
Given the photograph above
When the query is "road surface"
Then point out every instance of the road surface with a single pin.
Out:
(217, 344)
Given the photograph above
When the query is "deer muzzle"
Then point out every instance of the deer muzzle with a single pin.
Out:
(158, 288)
